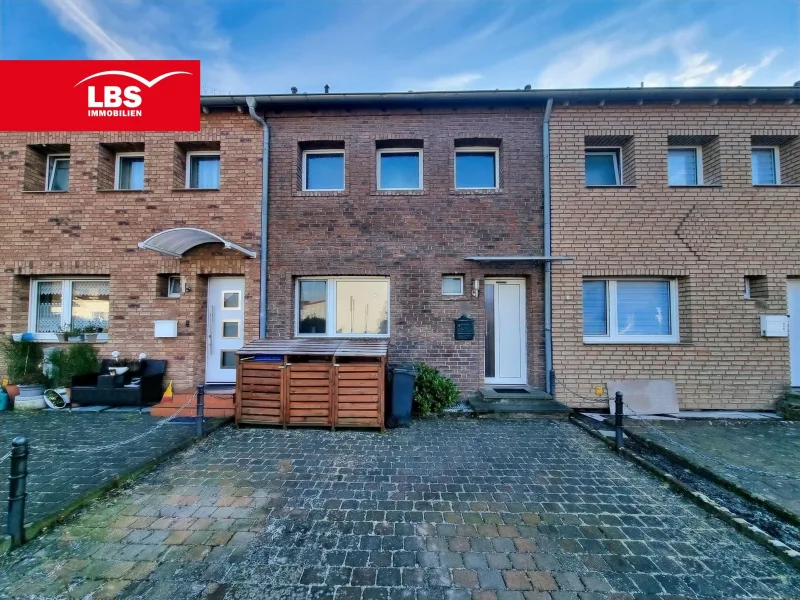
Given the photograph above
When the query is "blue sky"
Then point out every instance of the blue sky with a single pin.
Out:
(267, 46)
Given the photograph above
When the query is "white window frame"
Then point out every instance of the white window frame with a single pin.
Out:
(776, 161)
(222, 335)
(612, 337)
(482, 149)
(189, 156)
(698, 153)
(460, 278)
(66, 305)
(170, 293)
(222, 300)
(330, 307)
(383, 151)
(615, 151)
(307, 153)
(116, 169)
(50, 172)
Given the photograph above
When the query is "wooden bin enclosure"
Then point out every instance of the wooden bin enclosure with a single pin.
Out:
(312, 382)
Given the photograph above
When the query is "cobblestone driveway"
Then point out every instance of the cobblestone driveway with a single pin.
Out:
(56, 478)
(445, 510)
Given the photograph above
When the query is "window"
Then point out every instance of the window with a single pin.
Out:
(130, 172)
(685, 166)
(630, 311)
(202, 170)
(453, 285)
(343, 307)
(766, 166)
(477, 168)
(323, 170)
(400, 169)
(174, 286)
(57, 176)
(603, 166)
(60, 303)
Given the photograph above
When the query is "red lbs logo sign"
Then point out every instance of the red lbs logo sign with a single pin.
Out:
(100, 95)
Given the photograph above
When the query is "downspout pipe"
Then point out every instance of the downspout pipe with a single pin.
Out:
(264, 255)
(548, 274)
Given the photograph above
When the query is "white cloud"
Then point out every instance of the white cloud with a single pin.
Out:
(744, 73)
(80, 17)
(452, 82)
(695, 68)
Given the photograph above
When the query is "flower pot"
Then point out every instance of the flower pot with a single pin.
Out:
(29, 403)
(118, 370)
(56, 398)
(75, 338)
(62, 337)
(12, 389)
(90, 337)
(26, 391)
(3, 400)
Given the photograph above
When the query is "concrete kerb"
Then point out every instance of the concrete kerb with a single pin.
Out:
(779, 511)
(755, 533)
(32, 530)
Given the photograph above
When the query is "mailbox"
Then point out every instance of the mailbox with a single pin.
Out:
(774, 326)
(465, 328)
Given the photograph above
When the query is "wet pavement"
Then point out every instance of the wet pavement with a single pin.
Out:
(448, 509)
(69, 454)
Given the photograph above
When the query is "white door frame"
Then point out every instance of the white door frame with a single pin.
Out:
(793, 298)
(216, 316)
(523, 379)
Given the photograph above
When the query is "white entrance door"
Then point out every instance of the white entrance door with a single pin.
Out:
(224, 334)
(793, 297)
(506, 357)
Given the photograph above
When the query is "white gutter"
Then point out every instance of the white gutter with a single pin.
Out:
(262, 285)
(548, 275)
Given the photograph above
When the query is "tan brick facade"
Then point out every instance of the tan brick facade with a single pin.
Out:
(412, 237)
(94, 230)
(709, 237)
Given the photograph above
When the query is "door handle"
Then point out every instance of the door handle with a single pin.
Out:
(211, 330)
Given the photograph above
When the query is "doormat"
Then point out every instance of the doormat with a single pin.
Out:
(511, 390)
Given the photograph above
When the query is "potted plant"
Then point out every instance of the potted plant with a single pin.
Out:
(24, 360)
(75, 334)
(90, 333)
(62, 332)
(117, 366)
(76, 359)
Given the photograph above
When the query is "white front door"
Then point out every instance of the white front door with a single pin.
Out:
(793, 297)
(224, 333)
(505, 345)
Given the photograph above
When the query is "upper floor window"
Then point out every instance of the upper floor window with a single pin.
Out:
(400, 169)
(342, 307)
(323, 170)
(75, 304)
(603, 166)
(766, 166)
(477, 168)
(57, 176)
(202, 170)
(630, 310)
(129, 171)
(685, 166)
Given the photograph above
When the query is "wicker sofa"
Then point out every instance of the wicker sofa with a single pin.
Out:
(117, 390)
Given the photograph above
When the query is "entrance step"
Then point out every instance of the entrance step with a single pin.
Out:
(516, 402)
(216, 405)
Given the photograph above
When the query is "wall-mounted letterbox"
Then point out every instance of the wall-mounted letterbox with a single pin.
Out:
(774, 326)
(465, 328)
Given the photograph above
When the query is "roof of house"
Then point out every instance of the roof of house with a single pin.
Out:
(713, 95)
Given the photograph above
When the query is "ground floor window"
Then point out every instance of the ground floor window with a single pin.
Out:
(68, 304)
(630, 310)
(342, 306)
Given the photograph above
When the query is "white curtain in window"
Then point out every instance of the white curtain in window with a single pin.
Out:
(205, 172)
(682, 166)
(764, 172)
(643, 308)
(595, 310)
(90, 304)
(48, 307)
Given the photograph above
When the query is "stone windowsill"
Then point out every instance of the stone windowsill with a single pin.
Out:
(45, 191)
(112, 190)
(195, 189)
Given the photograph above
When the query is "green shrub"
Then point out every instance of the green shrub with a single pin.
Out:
(433, 392)
(75, 359)
(23, 361)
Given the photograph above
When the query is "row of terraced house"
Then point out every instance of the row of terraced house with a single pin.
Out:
(591, 236)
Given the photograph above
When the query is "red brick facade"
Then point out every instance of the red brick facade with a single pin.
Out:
(412, 237)
(93, 230)
(710, 238)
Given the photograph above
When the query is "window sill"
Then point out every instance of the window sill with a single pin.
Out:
(108, 190)
(399, 193)
(627, 187)
(168, 297)
(195, 189)
(315, 193)
(319, 336)
(591, 342)
(776, 185)
(45, 191)
(703, 185)
(476, 191)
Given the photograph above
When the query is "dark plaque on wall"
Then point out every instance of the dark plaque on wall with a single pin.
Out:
(465, 328)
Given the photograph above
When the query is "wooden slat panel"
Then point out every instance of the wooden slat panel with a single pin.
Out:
(310, 375)
(358, 391)
(358, 368)
(261, 403)
(308, 390)
(260, 366)
(362, 414)
(265, 395)
(310, 367)
(307, 398)
(321, 403)
(363, 375)
(309, 383)
(359, 383)
(264, 412)
(362, 400)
